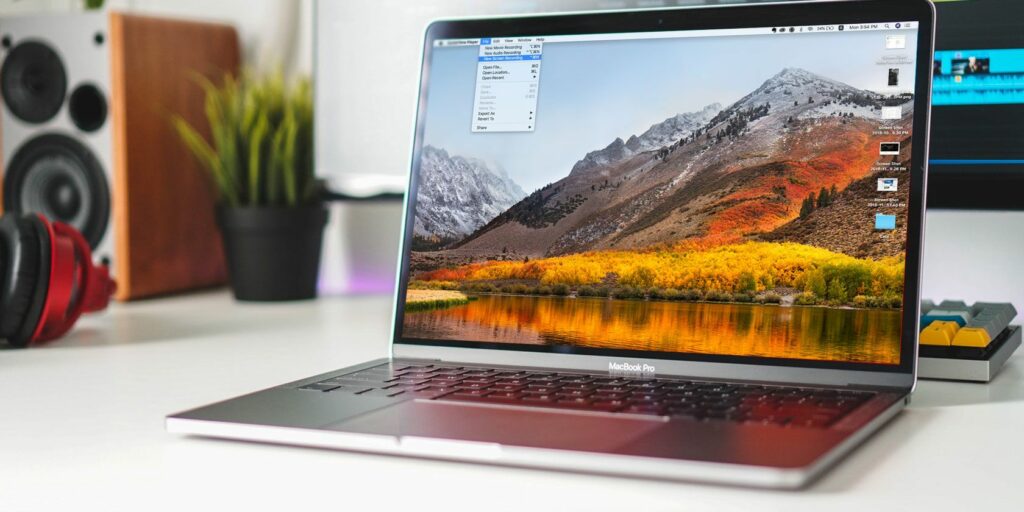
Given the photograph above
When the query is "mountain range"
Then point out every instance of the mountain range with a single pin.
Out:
(457, 196)
(720, 174)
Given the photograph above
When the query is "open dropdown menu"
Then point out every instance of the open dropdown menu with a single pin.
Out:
(507, 84)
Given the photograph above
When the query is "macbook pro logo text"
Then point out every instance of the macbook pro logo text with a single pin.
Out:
(630, 368)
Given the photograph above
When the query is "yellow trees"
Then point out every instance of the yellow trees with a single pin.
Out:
(752, 267)
(573, 271)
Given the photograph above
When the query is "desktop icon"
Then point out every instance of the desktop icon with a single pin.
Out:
(890, 148)
(885, 222)
(892, 113)
(895, 42)
(888, 184)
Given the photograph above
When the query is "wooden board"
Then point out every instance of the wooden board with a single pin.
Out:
(165, 235)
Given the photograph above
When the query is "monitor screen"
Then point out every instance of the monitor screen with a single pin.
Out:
(977, 145)
(721, 192)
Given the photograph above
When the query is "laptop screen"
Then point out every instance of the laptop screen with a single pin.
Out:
(728, 192)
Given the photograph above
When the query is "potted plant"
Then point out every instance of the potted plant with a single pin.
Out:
(260, 160)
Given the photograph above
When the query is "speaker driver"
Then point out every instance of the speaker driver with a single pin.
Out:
(33, 82)
(60, 178)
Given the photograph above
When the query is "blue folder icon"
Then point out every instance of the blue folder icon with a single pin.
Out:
(885, 222)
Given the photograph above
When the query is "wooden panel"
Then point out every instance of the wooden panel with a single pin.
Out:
(166, 238)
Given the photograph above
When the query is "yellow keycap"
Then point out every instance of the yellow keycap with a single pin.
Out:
(972, 337)
(939, 333)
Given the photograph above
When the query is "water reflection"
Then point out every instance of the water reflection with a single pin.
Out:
(728, 329)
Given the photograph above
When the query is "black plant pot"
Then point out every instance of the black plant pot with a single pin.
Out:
(273, 254)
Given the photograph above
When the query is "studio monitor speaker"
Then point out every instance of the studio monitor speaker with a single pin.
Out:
(87, 139)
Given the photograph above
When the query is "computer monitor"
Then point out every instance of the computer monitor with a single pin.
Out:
(977, 138)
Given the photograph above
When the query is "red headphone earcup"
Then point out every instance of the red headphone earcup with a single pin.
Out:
(76, 286)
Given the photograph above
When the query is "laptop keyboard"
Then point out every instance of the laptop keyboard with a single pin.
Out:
(679, 398)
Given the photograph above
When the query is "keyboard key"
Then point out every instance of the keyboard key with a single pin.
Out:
(574, 403)
(320, 387)
(539, 399)
(383, 392)
(939, 333)
(353, 390)
(645, 409)
(540, 390)
(504, 395)
(573, 393)
(678, 398)
(576, 380)
(471, 392)
(446, 378)
(610, 405)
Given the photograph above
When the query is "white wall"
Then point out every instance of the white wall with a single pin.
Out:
(975, 256)
(274, 33)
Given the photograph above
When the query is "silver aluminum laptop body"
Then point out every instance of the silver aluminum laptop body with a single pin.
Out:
(656, 447)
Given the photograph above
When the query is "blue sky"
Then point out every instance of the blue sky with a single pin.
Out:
(593, 92)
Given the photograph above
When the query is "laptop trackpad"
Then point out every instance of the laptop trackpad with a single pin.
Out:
(508, 426)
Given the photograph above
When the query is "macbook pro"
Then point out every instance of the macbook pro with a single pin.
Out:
(679, 244)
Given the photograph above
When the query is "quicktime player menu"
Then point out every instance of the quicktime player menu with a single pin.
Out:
(507, 84)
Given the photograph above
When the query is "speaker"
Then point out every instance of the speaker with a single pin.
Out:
(87, 139)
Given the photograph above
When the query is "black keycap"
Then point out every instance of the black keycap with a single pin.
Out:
(645, 409)
(446, 378)
(383, 392)
(470, 392)
(504, 395)
(573, 393)
(545, 390)
(320, 387)
(539, 399)
(350, 389)
(581, 403)
(576, 380)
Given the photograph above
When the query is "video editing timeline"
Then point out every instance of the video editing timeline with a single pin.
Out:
(507, 79)
(979, 77)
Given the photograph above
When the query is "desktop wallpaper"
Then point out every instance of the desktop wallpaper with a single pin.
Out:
(741, 195)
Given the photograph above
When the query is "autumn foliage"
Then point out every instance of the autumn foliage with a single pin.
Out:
(751, 267)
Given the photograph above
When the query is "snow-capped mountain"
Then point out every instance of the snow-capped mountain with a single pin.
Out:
(721, 174)
(663, 134)
(457, 195)
(795, 87)
(669, 131)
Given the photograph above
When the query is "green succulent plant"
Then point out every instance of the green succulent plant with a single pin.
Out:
(261, 148)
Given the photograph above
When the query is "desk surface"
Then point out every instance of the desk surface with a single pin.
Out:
(82, 424)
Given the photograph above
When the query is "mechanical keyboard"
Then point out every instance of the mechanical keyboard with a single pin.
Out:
(955, 324)
(677, 398)
(966, 342)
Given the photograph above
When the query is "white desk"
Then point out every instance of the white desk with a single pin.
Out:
(81, 428)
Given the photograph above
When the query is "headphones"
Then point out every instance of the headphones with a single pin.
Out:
(47, 279)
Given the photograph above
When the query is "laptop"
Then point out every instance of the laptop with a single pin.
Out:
(677, 244)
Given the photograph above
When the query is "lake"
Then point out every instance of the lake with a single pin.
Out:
(812, 333)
